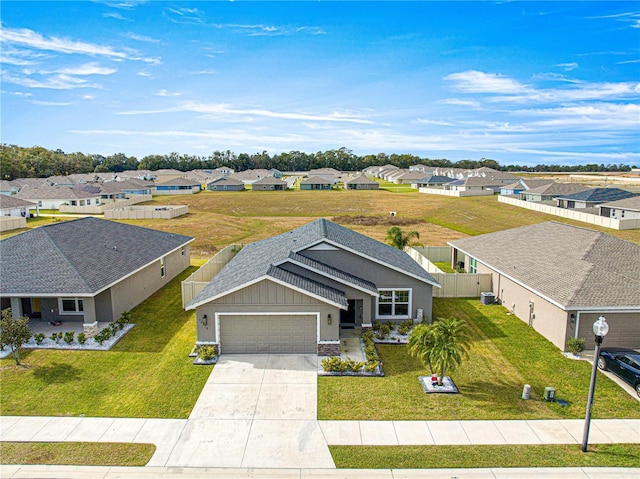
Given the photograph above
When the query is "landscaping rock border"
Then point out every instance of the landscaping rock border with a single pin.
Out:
(448, 386)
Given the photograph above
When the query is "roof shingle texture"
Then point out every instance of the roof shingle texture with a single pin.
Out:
(573, 266)
(80, 257)
(255, 260)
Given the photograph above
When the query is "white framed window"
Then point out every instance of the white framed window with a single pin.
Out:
(70, 306)
(394, 303)
(162, 268)
(473, 265)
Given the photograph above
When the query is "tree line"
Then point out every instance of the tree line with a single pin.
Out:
(38, 162)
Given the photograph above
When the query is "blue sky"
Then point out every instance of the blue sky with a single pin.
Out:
(518, 82)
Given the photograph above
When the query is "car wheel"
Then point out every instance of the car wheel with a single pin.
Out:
(638, 389)
(602, 363)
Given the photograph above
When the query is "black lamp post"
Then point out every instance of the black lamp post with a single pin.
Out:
(600, 329)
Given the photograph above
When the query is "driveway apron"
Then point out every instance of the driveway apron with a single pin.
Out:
(256, 411)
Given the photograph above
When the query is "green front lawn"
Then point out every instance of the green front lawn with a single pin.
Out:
(77, 453)
(147, 374)
(431, 457)
(505, 354)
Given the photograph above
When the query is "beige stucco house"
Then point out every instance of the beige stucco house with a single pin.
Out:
(560, 278)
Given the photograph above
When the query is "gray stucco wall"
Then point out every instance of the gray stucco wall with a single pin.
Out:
(382, 276)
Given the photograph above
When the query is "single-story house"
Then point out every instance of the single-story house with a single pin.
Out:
(592, 197)
(52, 197)
(560, 278)
(433, 181)
(61, 181)
(167, 174)
(87, 270)
(295, 292)
(539, 194)
(523, 184)
(362, 183)
(330, 174)
(629, 208)
(178, 186)
(7, 188)
(270, 183)
(12, 206)
(225, 184)
(408, 177)
(249, 177)
(135, 186)
(316, 183)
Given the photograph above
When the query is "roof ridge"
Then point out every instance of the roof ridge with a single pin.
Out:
(64, 256)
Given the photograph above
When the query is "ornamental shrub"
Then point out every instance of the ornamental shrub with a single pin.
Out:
(575, 345)
(82, 338)
(68, 337)
(39, 337)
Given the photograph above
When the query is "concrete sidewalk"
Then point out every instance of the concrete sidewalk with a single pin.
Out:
(74, 472)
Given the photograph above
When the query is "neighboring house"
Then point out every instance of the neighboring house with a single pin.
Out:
(407, 177)
(52, 197)
(592, 197)
(7, 188)
(12, 206)
(432, 182)
(225, 184)
(293, 293)
(61, 181)
(87, 270)
(109, 192)
(164, 175)
(225, 171)
(424, 169)
(473, 186)
(361, 183)
(269, 184)
(560, 278)
(316, 183)
(539, 194)
(178, 186)
(628, 208)
(330, 174)
(249, 177)
(276, 173)
(135, 186)
(523, 184)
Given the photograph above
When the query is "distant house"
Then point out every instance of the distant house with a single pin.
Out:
(61, 181)
(592, 197)
(276, 173)
(225, 184)
(559, 279)
(432, 182)
(164, 175)
(12, 206)
(52, 197)
(249, 177)
(89, 270)
(135, 186)
(627, 208)
(7, 188)
(330, 174)
(315, 183)
(407, 177)
(539, 194)
(361, 183)
(178, 186)
(523, 184)
(269, 184)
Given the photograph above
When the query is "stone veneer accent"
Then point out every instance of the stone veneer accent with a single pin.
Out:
(325, 349)
(90, 329)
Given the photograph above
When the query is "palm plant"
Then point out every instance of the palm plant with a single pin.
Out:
(399, 239)
(441, 346)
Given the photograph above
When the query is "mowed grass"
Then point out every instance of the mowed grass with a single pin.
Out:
(505, 354)
(433, 457)
(147, 374)
(217, 219)
(76, 453)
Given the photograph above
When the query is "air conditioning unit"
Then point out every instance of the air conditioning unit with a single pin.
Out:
(487, 298)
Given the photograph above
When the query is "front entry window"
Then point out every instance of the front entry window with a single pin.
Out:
(394, 303)
(71, 306)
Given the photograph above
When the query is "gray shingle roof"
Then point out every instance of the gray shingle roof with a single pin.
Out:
(79, 257)
(629, 204)
(255, 260)
(361, 180)
(53, 193)
(600, 195)
(315, 180)
(313, 287)
(7, 202)
(574, 267)
(557, 189)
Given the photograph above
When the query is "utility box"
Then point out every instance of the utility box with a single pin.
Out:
(526, 392)
(487, 298)
(549, 393)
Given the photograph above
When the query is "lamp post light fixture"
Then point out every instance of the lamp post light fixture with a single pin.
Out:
(600, 329)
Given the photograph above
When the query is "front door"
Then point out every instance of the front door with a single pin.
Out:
(348, 317)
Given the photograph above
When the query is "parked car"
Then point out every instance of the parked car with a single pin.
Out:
(624, 363)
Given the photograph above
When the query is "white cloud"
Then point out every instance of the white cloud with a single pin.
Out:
(114, 15)
(55, 82)
(473, 81)
(144, 74)
(140, 38)
(49, 103)
(166, 93)
(86, 69)
(568, 66)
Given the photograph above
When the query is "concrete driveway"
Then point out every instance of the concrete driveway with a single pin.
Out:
(256, 411)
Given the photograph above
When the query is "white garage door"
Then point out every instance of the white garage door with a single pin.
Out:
(277, 334)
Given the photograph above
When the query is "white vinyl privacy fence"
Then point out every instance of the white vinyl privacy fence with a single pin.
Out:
(198, 280)
(454, 285)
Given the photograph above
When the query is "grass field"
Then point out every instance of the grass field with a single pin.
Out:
(217, 219)
(77, 453)
(505, 355)
(147, 374)
(420, 457)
